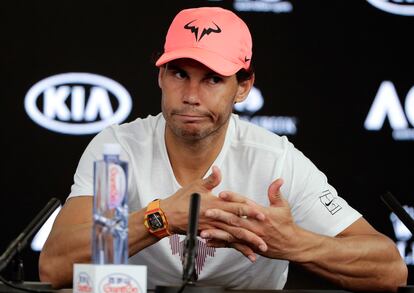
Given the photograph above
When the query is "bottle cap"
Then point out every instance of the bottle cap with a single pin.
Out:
(111, 149)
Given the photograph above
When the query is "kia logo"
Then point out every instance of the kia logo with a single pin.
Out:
(400, 7)
(77, 103)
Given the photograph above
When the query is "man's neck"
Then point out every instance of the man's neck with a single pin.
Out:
(191, 159)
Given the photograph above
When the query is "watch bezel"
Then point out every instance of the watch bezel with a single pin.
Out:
(151, 218)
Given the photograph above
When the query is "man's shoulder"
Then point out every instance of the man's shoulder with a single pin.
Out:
(138, 129)
(251, 135)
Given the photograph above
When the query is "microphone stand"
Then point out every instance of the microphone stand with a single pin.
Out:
(189, 256)
(12, 253)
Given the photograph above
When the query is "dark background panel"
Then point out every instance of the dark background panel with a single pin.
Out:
(322, 63)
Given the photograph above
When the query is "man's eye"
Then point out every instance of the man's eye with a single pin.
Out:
(215, 79)
(180, 74)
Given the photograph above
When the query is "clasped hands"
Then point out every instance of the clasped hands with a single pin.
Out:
(232, 220)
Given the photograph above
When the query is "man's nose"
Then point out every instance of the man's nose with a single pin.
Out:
(191, 94)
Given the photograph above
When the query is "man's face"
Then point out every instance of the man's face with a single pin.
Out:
(196, 101)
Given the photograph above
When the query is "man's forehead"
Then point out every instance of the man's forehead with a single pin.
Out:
(186, 63)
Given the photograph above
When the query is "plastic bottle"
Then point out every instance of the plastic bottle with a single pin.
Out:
(110, 208)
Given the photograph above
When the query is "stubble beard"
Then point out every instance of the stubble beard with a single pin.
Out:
(193, 134)
(196, 134)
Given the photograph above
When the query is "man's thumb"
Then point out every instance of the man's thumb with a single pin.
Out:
(274, 193)
(213, 179)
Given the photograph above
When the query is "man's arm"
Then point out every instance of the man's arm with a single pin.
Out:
(359, 258)
(70, 240)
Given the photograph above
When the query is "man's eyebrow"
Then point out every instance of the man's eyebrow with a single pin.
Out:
(213, 73)
(174, 67)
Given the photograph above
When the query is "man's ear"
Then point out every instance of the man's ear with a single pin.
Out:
(244, 89)
(160, 73)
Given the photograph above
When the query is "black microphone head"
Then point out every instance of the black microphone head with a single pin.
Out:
(190, 245)
(392, 203)
(194, 211)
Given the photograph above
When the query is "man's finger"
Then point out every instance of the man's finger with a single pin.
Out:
(234, 234)
(275, 195)
(218, 235)
(237, 210)
(234, 197)
(244, 249)
(226, 217)
(213, 179)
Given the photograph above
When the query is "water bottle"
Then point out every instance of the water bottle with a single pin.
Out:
(110, 208)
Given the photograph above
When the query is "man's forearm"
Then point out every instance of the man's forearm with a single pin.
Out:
(352, 262)
(359, 258)
(72, 244)
(63, 248)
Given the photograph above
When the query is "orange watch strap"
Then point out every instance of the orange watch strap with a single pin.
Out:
(153, 205)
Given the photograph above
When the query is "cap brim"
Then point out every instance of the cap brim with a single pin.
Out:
(212, 60)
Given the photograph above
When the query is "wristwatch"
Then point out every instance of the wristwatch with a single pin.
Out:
(155, 220)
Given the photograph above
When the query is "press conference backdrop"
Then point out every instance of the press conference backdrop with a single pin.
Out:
(336, 77)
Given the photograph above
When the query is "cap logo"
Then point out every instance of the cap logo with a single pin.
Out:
(206, 30)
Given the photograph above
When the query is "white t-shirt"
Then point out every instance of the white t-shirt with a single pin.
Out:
(251, 158)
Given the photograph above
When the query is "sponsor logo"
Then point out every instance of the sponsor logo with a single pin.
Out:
(274, 6)
(177, 243)
(119, 283)
(387, 105)
(77, 103)
(83, 283)
(399, 7)
(270, 6)
(117, 185)
(328, 200)
(404, 243)
(278, 124)
(206, 31)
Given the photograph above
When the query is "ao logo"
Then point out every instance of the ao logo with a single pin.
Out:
(400, 7)
(252, 103)
(89, 96)
(387, 104)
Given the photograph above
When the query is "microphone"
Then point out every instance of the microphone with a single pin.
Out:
(190, 243)
(16, 246)
(189, 256)
(21, 241)
(392, 203)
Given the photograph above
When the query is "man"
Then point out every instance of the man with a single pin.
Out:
(260, 197)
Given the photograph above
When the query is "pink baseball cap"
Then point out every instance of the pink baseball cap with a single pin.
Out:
(213, 36)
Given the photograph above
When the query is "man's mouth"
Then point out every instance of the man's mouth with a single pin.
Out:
(187, 117)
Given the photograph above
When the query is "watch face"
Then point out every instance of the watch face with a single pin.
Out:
(155, 221)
